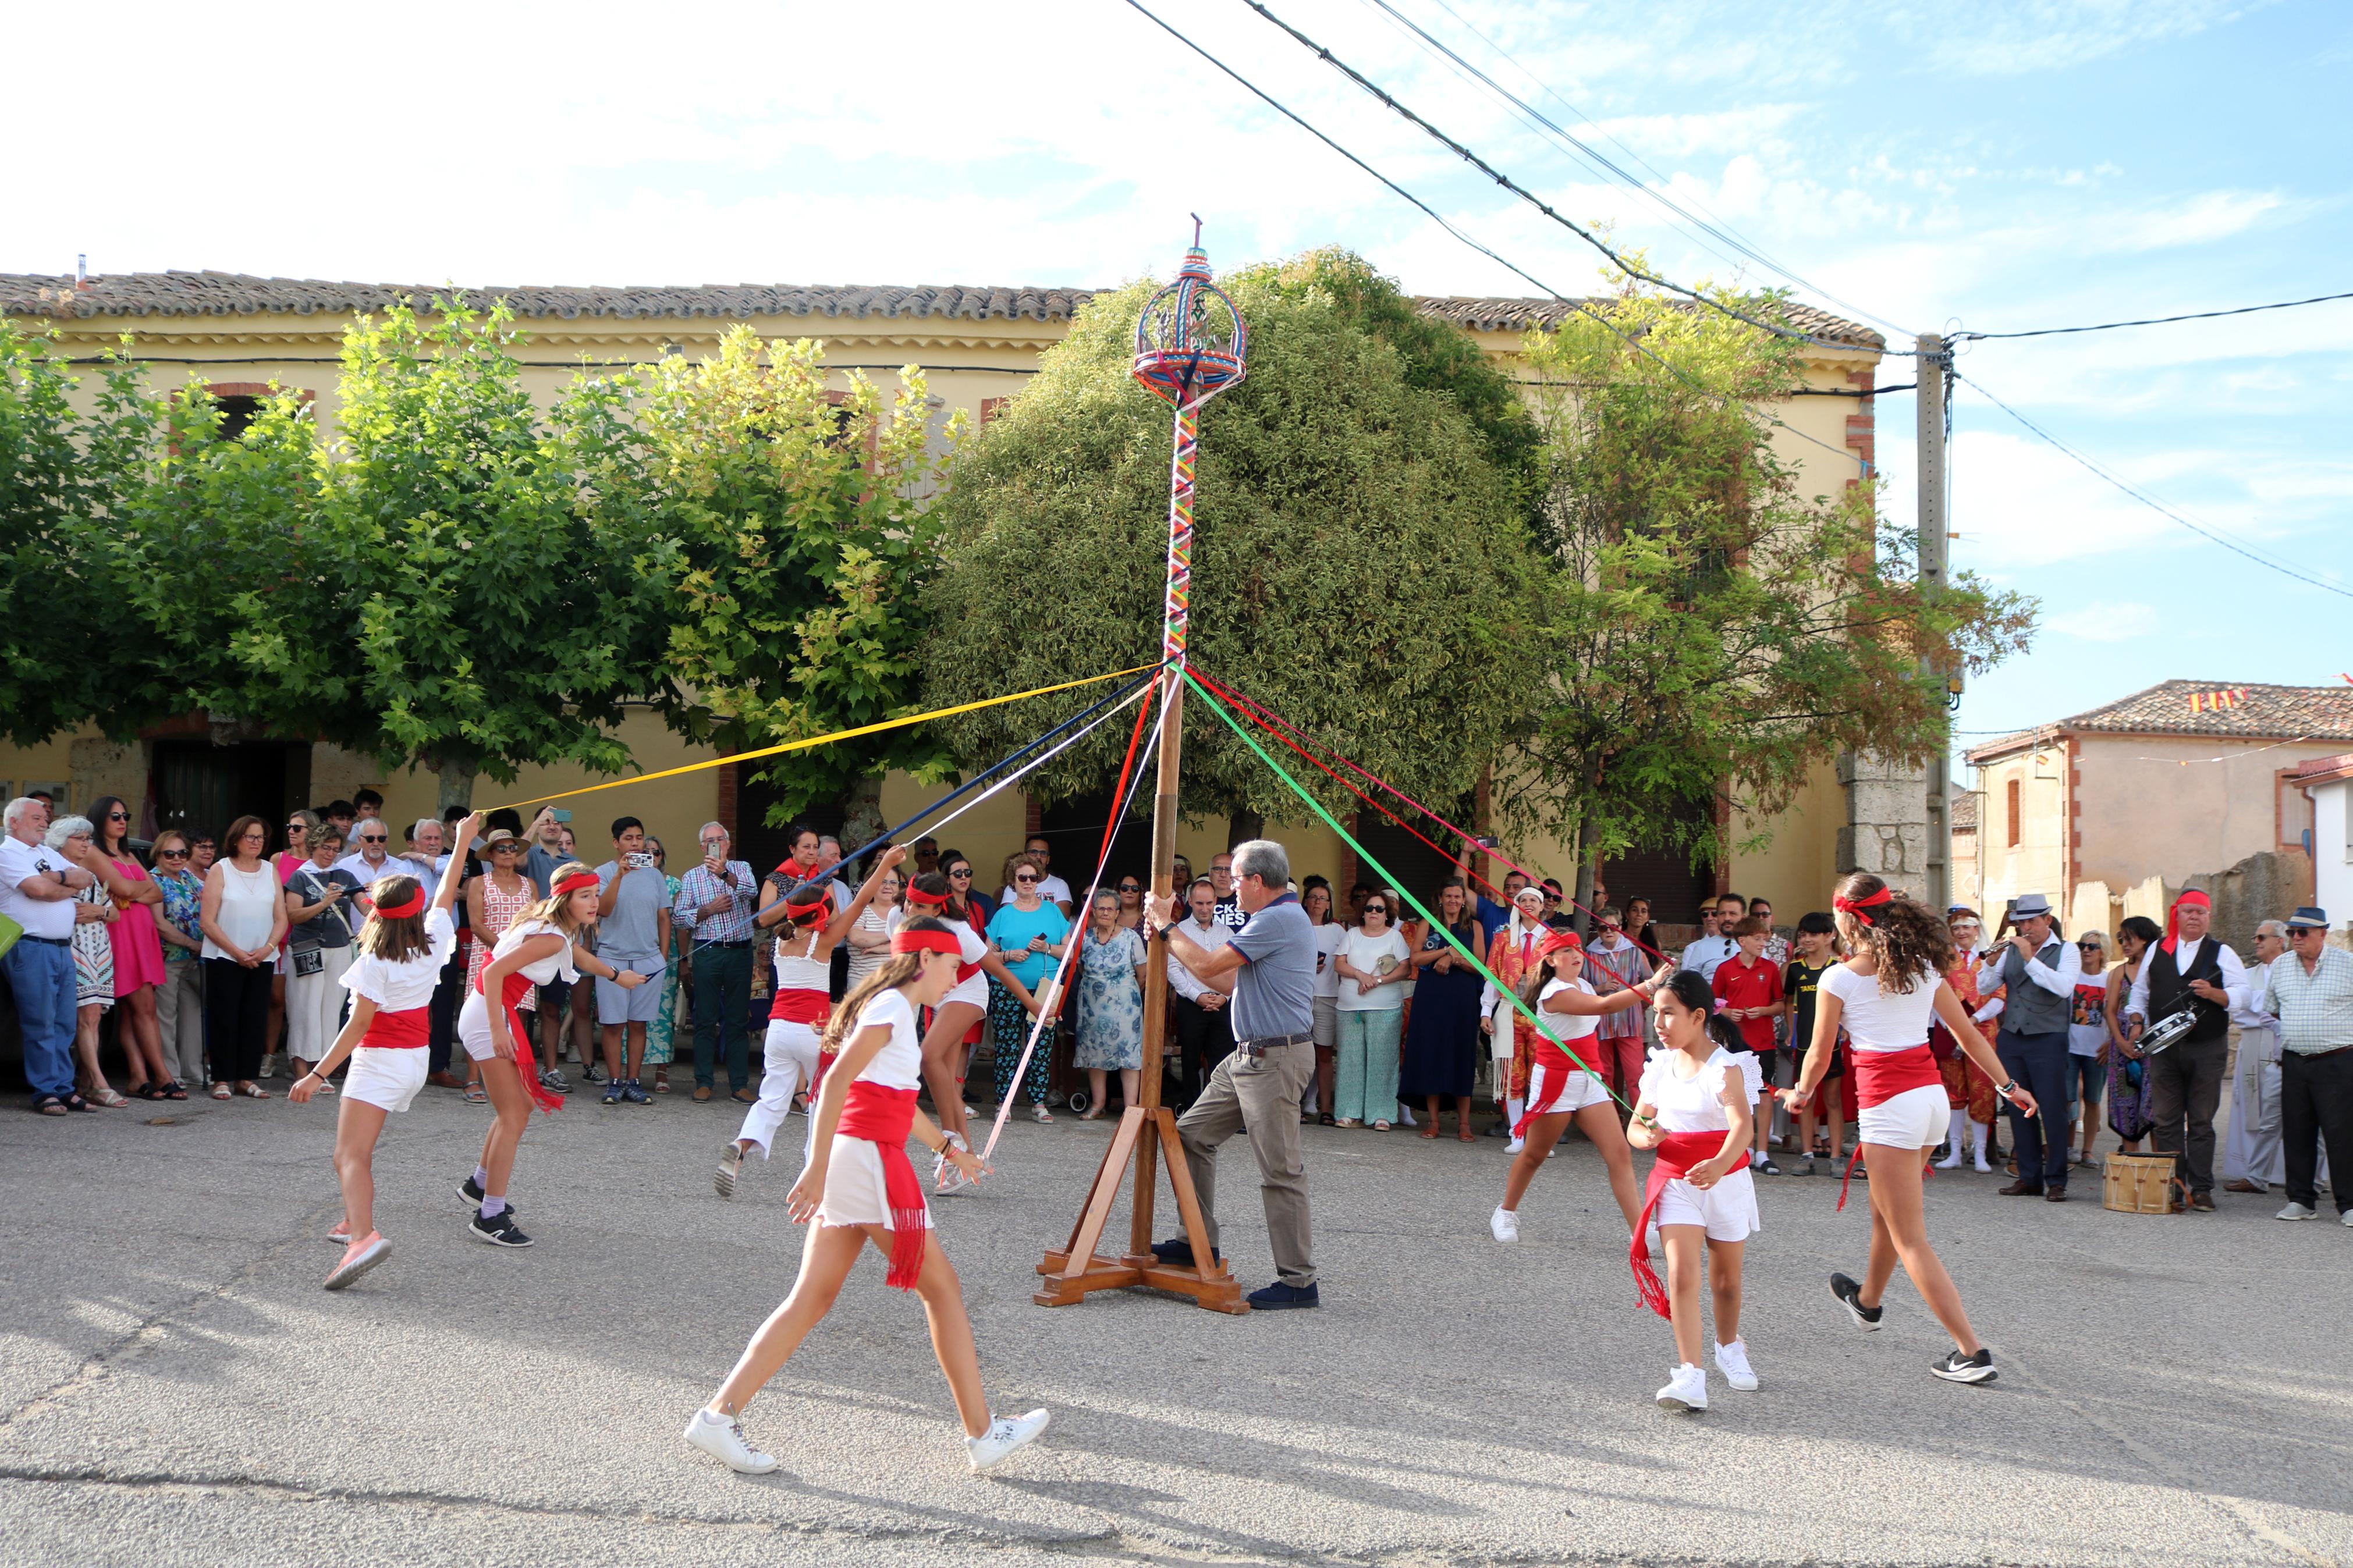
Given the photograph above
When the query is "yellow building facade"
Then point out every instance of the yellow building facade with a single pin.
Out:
(977, 345)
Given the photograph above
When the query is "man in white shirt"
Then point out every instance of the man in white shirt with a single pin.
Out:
(1710, 952)
(38, 885)
(1204, 1035)
(2253, 1156)
(370, 856)
(2189, 971)
(2040, 971)
(1051, 888)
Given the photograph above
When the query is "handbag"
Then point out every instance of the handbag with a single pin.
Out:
(9, 931)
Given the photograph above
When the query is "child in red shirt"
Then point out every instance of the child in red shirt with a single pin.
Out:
(1748, 991)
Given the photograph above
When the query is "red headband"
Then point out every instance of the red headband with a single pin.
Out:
(1561, 942)
(814, 905)
(2173, 916)
(411, 905)
(1858, 907)
(573, 883)
(927, 941)
(929, 901)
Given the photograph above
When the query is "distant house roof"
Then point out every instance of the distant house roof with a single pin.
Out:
(240, 294)
(1964, 812)
(2213, 708)
(2325, 770)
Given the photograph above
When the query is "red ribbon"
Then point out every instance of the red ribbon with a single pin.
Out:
(1543, 1053)
(509, 994)
(2173, 916)
(411, 905)
(884, 1116)
(1678, 1153)
(1879, 1077)
(405, 1031)
(929, 901)
(1857, 907)
(1561, 942)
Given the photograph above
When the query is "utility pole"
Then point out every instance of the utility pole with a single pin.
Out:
(1935, 360)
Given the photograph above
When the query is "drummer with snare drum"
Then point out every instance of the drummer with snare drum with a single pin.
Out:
(2190, 972)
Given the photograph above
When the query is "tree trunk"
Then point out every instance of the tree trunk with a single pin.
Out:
(1581, 915)
(457, 779)
(862, 812)
(1244, 825)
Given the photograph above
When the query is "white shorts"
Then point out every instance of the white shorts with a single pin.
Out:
(975, 991)
(1916, 1118)
(855, 1192)
(385, 1076)
(1727, 1210)
(1581, 1090)
(474, 1026)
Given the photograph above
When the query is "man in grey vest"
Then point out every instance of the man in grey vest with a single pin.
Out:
(2039, 971)
(2189, 970)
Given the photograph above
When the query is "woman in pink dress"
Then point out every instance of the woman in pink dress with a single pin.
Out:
(138, 953)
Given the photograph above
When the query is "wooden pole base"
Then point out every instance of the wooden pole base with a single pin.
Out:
(1077, 1267)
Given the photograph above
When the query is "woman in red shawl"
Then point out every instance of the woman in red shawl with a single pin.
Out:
(1966, 1086)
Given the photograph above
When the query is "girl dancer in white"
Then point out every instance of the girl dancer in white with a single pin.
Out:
(799, 1009)
(1560, 1089)
(860, 1187)
(1696, 1109)
(1882, 996)
(966, 1004)
(402, 949)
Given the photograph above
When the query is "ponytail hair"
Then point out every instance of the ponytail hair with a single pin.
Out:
(1690, 988)
(1911, 941)
(897, 970)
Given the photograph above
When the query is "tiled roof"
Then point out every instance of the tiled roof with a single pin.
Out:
(238, 294)
(2256, 713)
(1964, 812)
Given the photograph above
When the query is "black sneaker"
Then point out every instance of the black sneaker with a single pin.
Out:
(1178, 1253)
(470, 1192)
(499, 1229)
(591, 1073)
(1955, 1367)
(1280, 1298)
(1851, 1293)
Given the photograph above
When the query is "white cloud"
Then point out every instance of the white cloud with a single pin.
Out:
(2106, 621)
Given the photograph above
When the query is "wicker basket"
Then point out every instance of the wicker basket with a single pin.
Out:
(2141, 1183)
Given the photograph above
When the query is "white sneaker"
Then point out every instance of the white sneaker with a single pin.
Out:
(1687, 1390)
(722, 1437)
(1984, 1169)
(1951, 1161)
(1506, 1225)
(1516, 1145)
(1005, 1434)
(2297, 1211)
(1732, 1360)
(2345, 1218)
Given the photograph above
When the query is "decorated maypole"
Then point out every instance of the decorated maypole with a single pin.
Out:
(1190, 347)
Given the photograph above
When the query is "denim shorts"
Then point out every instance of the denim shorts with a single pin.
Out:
(2087, 1079)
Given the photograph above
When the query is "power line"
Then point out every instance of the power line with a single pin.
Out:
(1708, 225)
(1468, 157)
(1432, 213)
(2151, 501)
(2152, 321)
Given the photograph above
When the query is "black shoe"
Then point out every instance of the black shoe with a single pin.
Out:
(1851, 1293)
(1281, 1298)
(2021, 1188)
(470, 1192)
(1955, 1367)
(1178, 1253)
(499, 1229)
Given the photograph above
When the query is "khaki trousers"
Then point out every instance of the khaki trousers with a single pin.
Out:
(1260, 1097)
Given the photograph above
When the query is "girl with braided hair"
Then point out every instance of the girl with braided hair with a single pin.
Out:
(1883, 997)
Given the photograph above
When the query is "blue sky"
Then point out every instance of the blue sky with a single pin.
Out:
(2011, 164)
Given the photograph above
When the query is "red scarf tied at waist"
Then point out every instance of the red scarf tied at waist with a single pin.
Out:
(1879, 1077)
(509, 994)
(1678, 1153)
(811, 1008)
(407, 1031)
(1553, 1059)
(884, 1116)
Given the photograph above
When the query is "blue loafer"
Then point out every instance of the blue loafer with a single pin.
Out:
(1178, 1253)
(1281, 1298)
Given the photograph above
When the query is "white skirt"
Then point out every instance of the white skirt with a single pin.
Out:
(385, 1076)
(975, 991)
(855, 1192)
(1727, 1210)
(1581, 1090)
(1916, 1118)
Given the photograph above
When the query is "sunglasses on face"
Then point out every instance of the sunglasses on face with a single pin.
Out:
(506, 848)
(1021, 879)
(171, 854)
(1376, 908)
(371, 838)
(961, 871)
(1131, 887)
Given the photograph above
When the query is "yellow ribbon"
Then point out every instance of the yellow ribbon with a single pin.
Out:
(829, 739)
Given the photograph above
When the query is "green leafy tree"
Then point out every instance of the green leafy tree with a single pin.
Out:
(1360, 565)
(1712, 634)
(797, 546)
(70, 651)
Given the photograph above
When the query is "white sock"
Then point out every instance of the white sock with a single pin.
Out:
(1977, 1132)
(1513, 1109)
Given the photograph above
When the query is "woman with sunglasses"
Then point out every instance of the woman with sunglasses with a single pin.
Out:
(1130, 904)
(1030, 933)
(494, 901)
(138, 953)
(1374, 964)
(180, 999)
(2087, 1041)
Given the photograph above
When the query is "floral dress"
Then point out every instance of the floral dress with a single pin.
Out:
(1512, 957)
(1966, 1084)
(93, 954)
(1111, 1004)
(658, 1033)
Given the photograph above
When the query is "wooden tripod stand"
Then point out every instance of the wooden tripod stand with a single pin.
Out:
(1147, 1131)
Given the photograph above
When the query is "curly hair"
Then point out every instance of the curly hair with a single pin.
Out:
(1910, 940)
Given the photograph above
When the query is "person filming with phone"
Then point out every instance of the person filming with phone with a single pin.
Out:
(632, 933)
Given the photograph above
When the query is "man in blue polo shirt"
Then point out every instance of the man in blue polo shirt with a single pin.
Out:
(1256, 1089)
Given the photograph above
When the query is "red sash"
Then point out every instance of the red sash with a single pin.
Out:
(1543, 1053)
(512, 993)
(884, 1117)
(407, 1031)
(1879, 1077)
(801, 1006)
(1678, 1153)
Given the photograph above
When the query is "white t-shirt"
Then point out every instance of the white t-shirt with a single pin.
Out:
(539, 972)
(1877, 1020)
(899, 1063)
(2088, 1022)
(972, 948)
(19, 862)
(1051, 888)
(404, 986)
(1696, 1104)
(1568, 1025)
(1327, 948)
(1372, 956)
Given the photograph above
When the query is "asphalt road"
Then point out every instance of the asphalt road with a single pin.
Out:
(177, 1389)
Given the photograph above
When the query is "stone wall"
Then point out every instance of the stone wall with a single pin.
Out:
(2264, 886)
(103, 767)
(1886, 828)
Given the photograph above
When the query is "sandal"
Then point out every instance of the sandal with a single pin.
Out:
(220, 1088)
(661, 1082)
(1326, 1119)
(175, 1090)
(1466, 1136)
(76, 1102)
(252, 1090)
(1430, 1132)
(474, 1095)
(109, 1098)
(1380, 1126)
(49, 1105)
